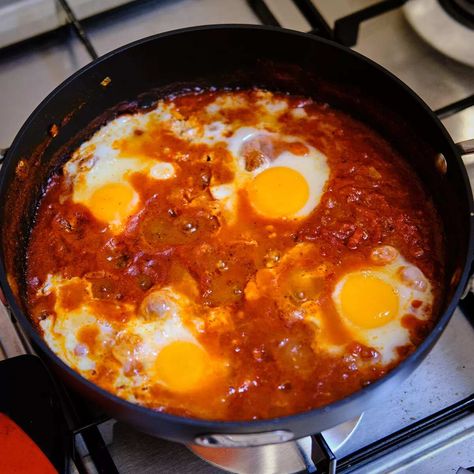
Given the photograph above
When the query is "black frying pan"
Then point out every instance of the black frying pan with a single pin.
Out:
(233, 56)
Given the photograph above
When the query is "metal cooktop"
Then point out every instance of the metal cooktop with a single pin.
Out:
(30, 70)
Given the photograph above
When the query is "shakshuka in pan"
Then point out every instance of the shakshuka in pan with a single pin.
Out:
(234, 255)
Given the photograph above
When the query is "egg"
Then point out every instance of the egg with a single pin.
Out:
(372, 301)
(283, 176)
(168, 349)
(297, 285)
(75, 323)
(367, 305)
(291, 279)
(99, 173)
(154, 345)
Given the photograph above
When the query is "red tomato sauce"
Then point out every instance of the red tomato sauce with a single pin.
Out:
(372, 197)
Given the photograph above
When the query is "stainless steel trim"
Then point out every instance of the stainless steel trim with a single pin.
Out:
(469, 287)
(441, 163)
(244, 440)
(3, 152)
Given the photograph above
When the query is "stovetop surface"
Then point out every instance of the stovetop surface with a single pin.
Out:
(30, 71)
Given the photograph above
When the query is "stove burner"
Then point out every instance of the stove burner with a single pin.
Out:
(460, 10)
(447, 25)
(288, 458)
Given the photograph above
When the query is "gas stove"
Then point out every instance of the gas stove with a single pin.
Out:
(427, 425)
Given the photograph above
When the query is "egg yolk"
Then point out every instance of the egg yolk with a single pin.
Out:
(368, 301)
(181, 366)
(278, 192)
(112, 202)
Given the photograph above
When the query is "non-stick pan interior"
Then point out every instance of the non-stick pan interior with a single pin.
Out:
(228, 57)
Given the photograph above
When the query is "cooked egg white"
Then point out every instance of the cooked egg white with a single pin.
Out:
(270, 107)
(296, 290)
(62, 331)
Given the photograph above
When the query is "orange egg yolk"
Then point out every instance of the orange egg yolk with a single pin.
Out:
(278, 192)
(368, 301)
(181, 366)
(113, 202)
